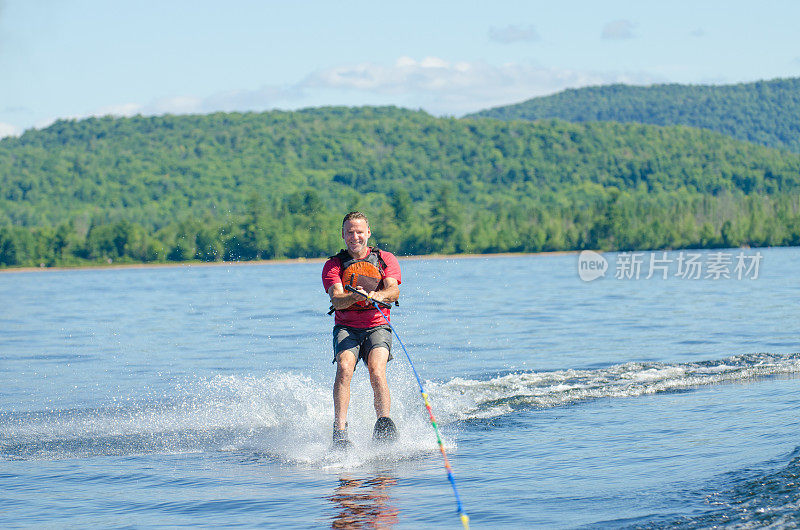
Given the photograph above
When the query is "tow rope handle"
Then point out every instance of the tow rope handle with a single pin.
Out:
(352, 289)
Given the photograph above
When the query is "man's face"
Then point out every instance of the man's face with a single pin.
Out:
(356, 235)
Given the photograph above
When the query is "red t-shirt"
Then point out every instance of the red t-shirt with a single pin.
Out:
(332, 273)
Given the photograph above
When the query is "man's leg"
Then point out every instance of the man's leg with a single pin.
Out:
(345, 364)
(376, 363)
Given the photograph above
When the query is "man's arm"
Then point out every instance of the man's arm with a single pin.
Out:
(342, 299)
(390, 292)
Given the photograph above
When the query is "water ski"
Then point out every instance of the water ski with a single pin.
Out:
(340, 441)
(384, 430)
(341, 445)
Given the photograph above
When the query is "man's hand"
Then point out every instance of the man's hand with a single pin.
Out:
(371, 296)
(342, 298)
(365, 293)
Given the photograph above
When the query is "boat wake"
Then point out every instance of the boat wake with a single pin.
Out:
(466, 399)
(761, 498)
(286, 417)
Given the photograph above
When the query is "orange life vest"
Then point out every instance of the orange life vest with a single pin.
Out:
(366, 273)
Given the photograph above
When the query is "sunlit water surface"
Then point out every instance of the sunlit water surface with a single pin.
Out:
(202, 395)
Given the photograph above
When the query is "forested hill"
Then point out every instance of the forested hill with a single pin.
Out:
(276, 184)
(765, 112)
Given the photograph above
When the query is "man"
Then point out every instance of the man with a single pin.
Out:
(360, 331)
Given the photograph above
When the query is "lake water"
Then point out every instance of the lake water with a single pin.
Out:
(201, 395)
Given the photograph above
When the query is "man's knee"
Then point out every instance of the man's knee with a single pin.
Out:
(376, 363)
(345, 363)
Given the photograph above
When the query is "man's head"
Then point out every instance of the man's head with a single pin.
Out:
(356, 234)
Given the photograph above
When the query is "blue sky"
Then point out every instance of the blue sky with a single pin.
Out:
(79, 58)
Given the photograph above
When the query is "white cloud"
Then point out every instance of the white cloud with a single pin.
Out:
(229, 101)
(6, 129)
(511, 34)
(167, 105)
(262, 98)
(436, 85)
(618, 29)
(407, 74)
(442, 87)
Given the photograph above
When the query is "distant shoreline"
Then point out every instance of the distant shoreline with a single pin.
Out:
(288, 261)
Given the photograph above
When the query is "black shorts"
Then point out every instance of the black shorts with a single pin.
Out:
(361, 341)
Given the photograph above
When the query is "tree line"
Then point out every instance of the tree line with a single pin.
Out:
(622, 221)
(276, 185)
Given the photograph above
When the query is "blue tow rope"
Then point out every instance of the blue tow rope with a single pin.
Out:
(459, 508)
